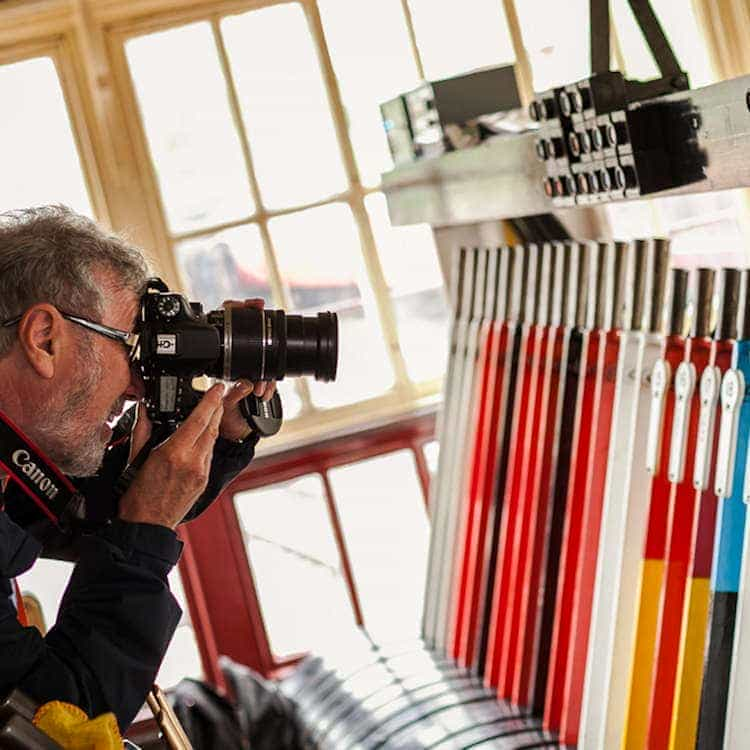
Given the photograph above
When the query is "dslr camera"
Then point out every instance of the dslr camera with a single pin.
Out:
(178, 343)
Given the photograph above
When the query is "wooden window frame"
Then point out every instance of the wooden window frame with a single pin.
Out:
(222, 596)
(405, 395)
(85, 39)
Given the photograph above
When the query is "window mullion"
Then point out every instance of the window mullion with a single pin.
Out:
(367, 240)
(72, 84)
(523, 66)
(423, 472)
(409, 19)
(214, 228)
(343, 551)
(236, 110)
(381, 291)
(280, 294)
(144, 182)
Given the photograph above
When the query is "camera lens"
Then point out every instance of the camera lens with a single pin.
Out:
(269, 344)
(312, 345)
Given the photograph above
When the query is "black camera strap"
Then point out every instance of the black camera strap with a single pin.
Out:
(37, 476)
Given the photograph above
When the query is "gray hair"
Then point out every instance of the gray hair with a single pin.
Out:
(51, 254)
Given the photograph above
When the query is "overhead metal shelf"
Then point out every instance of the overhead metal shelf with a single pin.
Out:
(503, 178)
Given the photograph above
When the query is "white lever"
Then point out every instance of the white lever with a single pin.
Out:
(732, 393)
(660, 377)
(684, 386)
(710, 381)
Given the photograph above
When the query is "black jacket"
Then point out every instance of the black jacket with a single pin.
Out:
(117, 615)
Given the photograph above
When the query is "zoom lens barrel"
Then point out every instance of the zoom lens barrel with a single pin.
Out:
(269, 344)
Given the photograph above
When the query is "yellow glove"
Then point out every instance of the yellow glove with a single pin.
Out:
(69, 726)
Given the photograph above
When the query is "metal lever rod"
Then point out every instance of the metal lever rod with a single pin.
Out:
(599, 35)
(665, 58)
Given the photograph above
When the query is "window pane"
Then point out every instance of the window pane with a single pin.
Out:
(284, 105)
(431, 452)
(384, 522)
(38, 154)
(48, 579)
(296, 564)
(705, 228)
(194, 145)
(454, 39)
(679, 24)
(371, 54)
(556, 37)
(182, 658)
(411, 267)
(321, 261)
(223, 266)
(231, 265)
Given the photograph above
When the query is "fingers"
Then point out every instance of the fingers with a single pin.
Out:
(205, 442)
(265, 389)
(244, 388)
(256, 302)
(237, 392)
(202, 416)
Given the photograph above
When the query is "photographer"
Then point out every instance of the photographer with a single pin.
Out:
(69, 294)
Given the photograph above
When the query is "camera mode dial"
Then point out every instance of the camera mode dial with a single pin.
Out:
(168, 306)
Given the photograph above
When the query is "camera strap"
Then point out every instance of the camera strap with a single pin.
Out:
(37, 476)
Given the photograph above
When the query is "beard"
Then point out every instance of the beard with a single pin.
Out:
(76, 448)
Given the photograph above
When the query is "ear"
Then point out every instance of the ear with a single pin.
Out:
(42, 338)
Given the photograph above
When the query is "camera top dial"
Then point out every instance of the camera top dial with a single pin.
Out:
(168, 306)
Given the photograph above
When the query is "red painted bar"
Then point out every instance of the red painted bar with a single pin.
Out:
(681, 512)
(517, 338)
(493, 357)
(531, 454)
(469, 502)
(524, 397)
(582, 447)
(592, 508)
(540, 515)
(467, 629)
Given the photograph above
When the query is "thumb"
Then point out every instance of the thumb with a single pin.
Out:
(141, 432)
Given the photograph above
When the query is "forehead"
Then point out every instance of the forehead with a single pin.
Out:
(120, 304)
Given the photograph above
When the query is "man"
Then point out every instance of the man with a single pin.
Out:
(61, 382)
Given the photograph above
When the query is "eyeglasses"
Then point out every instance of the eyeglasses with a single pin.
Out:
(128, 339)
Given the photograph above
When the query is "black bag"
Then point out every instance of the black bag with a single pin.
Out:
(268, 718)
(209, 720)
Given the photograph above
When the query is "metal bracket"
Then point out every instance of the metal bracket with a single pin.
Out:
(732, 394)
(653, 33)
(660, 378)
(657, 41)
(684, 386)
(710, 383)
(599, 13)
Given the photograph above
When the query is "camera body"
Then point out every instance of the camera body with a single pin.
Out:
(178, 343)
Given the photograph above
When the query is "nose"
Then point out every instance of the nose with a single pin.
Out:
(136, 388)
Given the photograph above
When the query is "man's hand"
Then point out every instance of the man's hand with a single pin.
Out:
(233, 425)
(176, 472)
